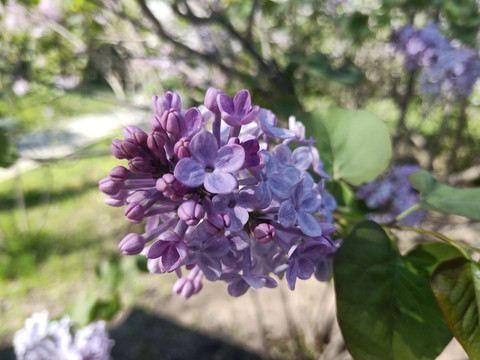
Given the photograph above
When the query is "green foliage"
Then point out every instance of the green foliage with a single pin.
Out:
(456, 285)
(354, 145)
(443, 198)
(385, 307)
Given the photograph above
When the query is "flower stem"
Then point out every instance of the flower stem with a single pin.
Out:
(460, 247)
(407, 212)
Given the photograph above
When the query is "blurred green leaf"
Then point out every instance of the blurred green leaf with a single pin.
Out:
(456, 285)
(446, 199)
(106, 309)
(354, 144)
(385, 307)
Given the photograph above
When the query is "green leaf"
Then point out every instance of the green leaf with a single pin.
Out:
(106, 309)
(354, 144)
(446, 199)
(385, 307)
(456, 285)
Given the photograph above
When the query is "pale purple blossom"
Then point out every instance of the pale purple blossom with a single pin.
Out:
(445, 69)
(217, 203)
(44, 340)
(391, 195)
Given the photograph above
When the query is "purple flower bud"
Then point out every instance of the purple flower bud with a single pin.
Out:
(132, 244)
(172, 121)
(129, 147)
(170, 101)
(107, 186)
(155, 124)
(264, 233)
(187, 287)
(211, 100)
(118, 174)
(181, 148)
(170, 187)
(118, 199)
(117, 150)
(156, 141)
(136, 134)
(134, 212)
(191, 212)
(216, 223)
(140, 165)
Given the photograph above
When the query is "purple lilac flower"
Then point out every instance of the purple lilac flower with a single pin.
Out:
(218, 204)
(444, 68)
(391, 195)
(44, 340)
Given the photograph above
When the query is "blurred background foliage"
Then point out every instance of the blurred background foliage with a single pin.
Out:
(61, 58)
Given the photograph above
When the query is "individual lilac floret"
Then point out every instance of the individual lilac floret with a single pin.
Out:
(239, 111)
(41, 339)
(209, 165)
(391, 195)
(222, 201)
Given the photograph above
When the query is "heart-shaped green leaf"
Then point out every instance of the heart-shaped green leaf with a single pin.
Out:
(456, 285)
(354, 144)
(386, 309)
(446, 199)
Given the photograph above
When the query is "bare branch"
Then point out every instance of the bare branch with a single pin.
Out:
(160, 31)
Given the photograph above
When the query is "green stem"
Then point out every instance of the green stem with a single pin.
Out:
(407, 212)
(459, 247)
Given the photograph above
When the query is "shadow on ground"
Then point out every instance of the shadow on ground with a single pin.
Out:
(144, 336)
(147, 336)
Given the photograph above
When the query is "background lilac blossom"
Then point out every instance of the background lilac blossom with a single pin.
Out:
(44, 340)
(233, 203)
(391, 195)
(444, 67)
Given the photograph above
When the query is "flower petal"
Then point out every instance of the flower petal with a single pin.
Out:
(309, 224)
(287, 215)
(203, 147)
(302, 158)
(230, 158)
(220, 182)
(189, 172)
(242, 102)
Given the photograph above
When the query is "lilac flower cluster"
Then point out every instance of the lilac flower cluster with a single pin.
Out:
(44, 340)
(233, 203)
(444, 67)
(391, 195)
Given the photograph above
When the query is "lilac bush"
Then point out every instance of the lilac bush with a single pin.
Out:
(223, 196)
(44, 340)
(391, 195)
(445, 68)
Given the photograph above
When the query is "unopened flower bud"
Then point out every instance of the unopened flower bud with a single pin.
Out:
(215, 224)
(134, 212)
(187, 287)
(264, 233)
(156, 141)
(135, 133)
(172, 121)
(132, 244)
(140, 165)
(211, 100)
(170, 187)
(118, 174)
(181, 148)
(129, 147)
(155, 123)
(108, 186)
(191, 212)
(117, 150)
